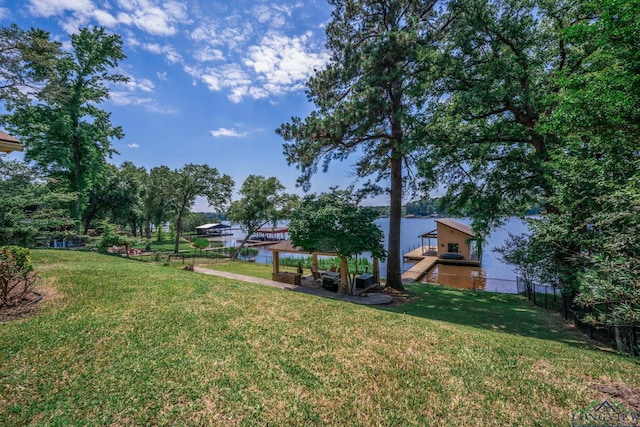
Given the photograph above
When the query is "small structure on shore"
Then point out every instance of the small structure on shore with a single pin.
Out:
(286, 246)
(453, 240)
(270, 234)
(9, 144)
(454, 245)
(216, 229)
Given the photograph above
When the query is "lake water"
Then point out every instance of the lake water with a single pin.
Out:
(493, 275)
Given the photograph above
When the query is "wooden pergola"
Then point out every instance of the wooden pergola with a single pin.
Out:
(293, 278)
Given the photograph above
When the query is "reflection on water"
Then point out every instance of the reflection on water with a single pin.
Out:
(456, 276)
(467, 277)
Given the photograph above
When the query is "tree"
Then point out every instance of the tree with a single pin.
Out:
(590, 232)
(197, 180)
(367, 98)
(64, 131)
(263, 201)
(497, 62)
(31, 206)
(333, 222)
(24, 58)
(156, 198)
(597, 173)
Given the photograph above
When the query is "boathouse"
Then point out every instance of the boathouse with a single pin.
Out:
(211, 229)
(453, 239)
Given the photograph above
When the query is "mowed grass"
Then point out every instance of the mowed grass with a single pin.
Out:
(120, 342)
(253, 269)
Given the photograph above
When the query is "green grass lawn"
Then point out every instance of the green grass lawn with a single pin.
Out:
(120, 342)
(253, 269)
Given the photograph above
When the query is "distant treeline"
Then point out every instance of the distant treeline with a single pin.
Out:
(425, 207)
(431, 207)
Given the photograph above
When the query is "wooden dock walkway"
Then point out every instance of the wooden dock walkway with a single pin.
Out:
(419, 253)
(418, 271)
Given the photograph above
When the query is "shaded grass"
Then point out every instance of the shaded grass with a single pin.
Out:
(133, 343)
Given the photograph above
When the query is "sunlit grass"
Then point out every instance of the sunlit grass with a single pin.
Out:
(119, 342)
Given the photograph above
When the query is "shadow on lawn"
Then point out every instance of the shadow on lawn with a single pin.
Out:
(487, 310)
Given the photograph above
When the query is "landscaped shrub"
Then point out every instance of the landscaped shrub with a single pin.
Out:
(16, 275)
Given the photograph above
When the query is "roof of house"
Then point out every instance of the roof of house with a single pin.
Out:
(273, 230)
(287, 246)
(456, 226)
(9, 143)
(215, 225)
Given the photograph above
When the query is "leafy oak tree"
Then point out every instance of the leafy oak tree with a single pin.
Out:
(333, 222)
(366, 101)
(63, 129)
(263, 201)
(157, 206)
(497, 64)
(192, 181)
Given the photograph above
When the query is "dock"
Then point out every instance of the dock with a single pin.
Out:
(255, 243)
(418, 271)
(426, 263)
(420, 253)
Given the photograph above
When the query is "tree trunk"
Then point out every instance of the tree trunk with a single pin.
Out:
(244, 242)
(147, 232)
(394, 278)
(178, 228)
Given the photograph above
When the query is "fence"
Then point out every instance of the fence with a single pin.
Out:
(551, 298)
(543, 295)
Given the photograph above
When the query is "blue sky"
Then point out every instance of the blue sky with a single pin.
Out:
(209, 81)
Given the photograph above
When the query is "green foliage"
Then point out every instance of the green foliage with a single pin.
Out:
(356, 266)
(200, 243)
(424, 207)
(64, 131)
(31, 206)
(333, 222)
(16, 274)
(192, 181)
(24, 58)
(263, 201)
(110, 237)
(18, 256)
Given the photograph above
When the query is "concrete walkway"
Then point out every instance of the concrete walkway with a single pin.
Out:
(371, 299)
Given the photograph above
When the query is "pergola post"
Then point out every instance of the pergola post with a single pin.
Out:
(344, 278)
(376, 271)
(276, 262)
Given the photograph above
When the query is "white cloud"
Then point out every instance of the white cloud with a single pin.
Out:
(155, 20)
(133, 145)
(224, 132)
(4, 13)
(285, 63)
(162, 19)
(207, 54)
(47, 8)
(171, 54)
(161, 76)
(105, 18)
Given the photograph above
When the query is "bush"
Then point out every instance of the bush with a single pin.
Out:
(16, 275)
